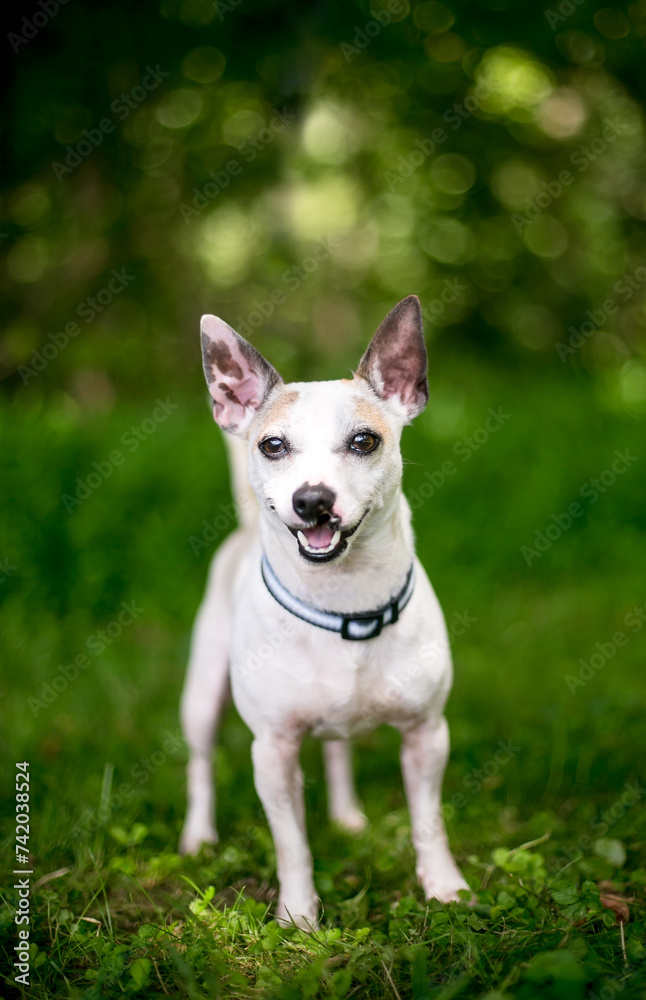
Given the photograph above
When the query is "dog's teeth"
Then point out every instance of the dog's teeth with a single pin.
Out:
(302, 537)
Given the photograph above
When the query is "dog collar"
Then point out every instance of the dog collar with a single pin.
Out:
(365, 625)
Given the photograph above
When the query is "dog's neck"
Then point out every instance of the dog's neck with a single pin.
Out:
(364, 578)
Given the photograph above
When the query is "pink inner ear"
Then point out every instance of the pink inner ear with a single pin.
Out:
(244, 391)
(238, 376)
(234, 387)
(395, 363)
(233, 382)
(399, 379)
(249, 391)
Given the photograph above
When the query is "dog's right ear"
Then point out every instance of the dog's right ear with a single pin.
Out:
(238, 377)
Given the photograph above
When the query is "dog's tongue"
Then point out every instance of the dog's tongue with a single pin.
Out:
(320, 536)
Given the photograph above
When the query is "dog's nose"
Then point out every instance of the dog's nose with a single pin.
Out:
(310, 502)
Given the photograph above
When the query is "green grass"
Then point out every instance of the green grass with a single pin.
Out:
(117, 912)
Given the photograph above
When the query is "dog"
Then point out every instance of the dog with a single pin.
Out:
(316, 608)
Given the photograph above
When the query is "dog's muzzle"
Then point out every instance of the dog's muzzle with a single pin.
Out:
(325, 540)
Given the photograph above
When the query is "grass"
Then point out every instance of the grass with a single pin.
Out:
(539, 829)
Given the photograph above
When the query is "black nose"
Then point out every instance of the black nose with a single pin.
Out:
(310, 502)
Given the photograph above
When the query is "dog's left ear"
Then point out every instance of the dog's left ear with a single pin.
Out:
(395, 363)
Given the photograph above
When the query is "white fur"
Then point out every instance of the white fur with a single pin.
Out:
(289, 677)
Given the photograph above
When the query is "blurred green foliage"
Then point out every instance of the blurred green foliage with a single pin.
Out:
(207, 148)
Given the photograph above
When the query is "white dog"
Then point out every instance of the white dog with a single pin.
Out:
(316, 607)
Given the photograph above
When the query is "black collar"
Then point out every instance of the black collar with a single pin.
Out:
(364, 625)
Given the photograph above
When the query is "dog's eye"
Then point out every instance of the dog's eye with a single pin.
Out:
(273, 447)
(364, 442)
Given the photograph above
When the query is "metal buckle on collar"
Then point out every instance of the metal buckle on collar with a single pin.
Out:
(378, 619)
(359, 620)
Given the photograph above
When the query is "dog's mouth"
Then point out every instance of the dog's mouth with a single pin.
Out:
(325, 540)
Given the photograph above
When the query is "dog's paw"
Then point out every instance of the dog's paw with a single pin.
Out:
(352, 821)
(303, 915)
(448, 892)
(192, 839)
(443, 880)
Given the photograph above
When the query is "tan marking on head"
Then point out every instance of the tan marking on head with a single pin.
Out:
(277, 410)
(371, 416)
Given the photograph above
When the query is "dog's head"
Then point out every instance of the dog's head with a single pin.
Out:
(324, 456)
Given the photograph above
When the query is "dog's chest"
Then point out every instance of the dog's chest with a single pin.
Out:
(334, 688)
(293, 676)
(356, 694)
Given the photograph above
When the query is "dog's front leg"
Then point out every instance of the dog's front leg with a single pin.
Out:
(344, 807)
(424, 753)
(279, 783)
